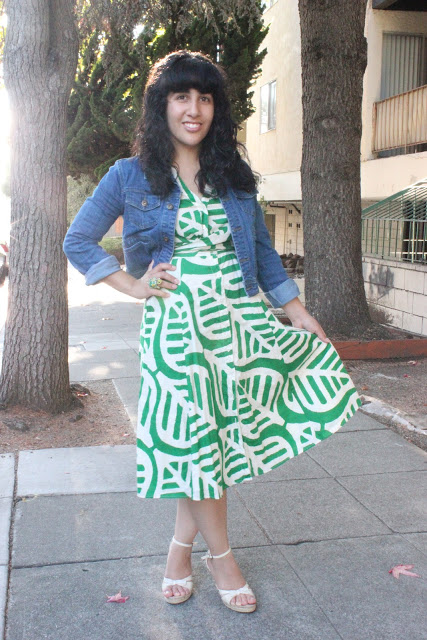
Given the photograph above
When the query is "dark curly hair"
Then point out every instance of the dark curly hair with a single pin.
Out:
(221, 162)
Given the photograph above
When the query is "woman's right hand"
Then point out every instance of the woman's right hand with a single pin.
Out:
(141, 288)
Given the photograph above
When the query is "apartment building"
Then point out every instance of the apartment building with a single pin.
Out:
(393, 149)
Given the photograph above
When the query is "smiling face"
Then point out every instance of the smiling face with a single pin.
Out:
(189, 116)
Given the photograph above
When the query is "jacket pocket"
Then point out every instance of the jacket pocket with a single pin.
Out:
(136, 259)
(142, 210)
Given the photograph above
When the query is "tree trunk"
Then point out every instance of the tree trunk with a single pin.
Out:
(40, 62)
(334, 55)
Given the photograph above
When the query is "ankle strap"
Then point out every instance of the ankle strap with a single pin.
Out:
(183, 544)
(221, 555)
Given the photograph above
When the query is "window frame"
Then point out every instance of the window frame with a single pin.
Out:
(268, 111)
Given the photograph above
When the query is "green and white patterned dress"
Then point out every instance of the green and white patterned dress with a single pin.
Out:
(227, 391)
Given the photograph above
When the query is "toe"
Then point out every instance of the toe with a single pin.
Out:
(242, 600)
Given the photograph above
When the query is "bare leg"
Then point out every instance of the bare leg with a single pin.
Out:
(210, 516)
(179, 558)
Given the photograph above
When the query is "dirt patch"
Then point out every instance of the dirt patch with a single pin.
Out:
(400, 383)
(101, 420)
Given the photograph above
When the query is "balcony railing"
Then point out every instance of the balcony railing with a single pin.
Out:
(400, 121)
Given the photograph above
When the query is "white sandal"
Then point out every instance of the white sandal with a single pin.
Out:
(183, 582)
(228, 594)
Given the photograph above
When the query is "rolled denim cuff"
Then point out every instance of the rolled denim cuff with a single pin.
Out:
(283, 293)
(102, 269)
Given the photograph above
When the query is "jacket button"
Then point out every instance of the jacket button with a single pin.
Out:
(144, 203)
(169, 205)
(166, 239)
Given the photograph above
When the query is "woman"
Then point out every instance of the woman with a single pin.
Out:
(227, 391)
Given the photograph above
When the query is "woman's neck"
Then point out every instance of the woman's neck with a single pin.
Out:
(188, 166)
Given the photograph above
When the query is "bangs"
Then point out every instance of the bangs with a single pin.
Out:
(191, 73)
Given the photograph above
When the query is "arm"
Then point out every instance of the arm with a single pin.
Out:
(90, 225)
(278, 287)
(140, 288)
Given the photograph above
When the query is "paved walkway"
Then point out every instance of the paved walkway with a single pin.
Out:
(315, 538)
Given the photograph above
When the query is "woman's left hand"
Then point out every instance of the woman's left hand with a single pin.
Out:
(301, 319)
(311, 324)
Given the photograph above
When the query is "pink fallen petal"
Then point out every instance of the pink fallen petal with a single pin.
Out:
(403, 569)
(117, 598)
(405, 375)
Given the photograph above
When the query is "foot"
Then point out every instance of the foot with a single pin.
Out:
(227, 575)
(178, 566)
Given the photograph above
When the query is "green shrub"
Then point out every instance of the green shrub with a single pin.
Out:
(113, 246)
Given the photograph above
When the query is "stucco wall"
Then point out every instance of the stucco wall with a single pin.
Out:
(277, 154)
(279, 150)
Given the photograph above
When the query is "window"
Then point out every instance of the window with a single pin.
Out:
(268, 107)
(267, 4)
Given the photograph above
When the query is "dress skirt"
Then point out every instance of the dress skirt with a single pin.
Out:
(227, 391)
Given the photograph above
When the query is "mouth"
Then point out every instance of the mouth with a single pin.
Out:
(192, 126)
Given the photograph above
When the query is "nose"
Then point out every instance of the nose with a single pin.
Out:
(193, 106)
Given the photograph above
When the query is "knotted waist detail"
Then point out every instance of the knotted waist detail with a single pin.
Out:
(189, 250)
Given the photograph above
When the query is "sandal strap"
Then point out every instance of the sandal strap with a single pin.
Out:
(183, 544)
(228, 594)
(184, 582)
(221, 555)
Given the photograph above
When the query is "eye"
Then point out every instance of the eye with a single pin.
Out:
(207, 98)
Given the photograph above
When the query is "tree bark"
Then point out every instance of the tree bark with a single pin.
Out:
(41, 51)
(334, 56)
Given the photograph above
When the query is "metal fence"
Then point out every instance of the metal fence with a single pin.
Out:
(397, 227)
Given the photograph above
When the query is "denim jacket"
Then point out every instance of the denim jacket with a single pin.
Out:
(149, 228)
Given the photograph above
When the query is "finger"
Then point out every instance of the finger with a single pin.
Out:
(160, 294)
(322, 335)
(168, 277)
(167, 280)
(165, 265)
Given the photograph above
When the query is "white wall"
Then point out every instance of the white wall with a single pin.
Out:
(277, 154)
(399, 290)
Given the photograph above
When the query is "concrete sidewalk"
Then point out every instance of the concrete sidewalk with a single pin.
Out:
(315, 538)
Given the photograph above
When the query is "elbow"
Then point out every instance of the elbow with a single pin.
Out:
(66, 245)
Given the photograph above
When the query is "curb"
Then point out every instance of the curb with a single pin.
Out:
(397, 420)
